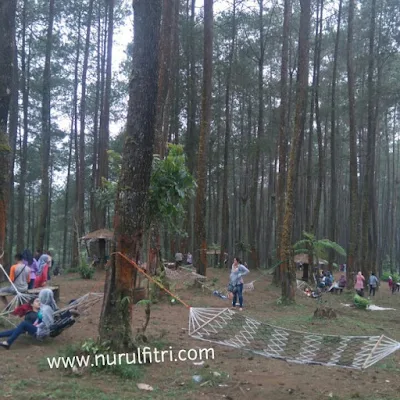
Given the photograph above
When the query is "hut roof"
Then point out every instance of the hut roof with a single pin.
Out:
(99, 234)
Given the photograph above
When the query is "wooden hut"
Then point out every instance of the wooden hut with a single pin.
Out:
(102, 236)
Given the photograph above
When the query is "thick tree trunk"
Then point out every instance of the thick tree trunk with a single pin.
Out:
(7, 28)
(200, 253)
(289, 272)
(116, 316)
(46, 133)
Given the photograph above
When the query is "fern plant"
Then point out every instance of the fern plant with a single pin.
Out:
(317, 249)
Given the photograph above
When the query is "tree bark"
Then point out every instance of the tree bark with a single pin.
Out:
(200, 254)
(46, 133)
(134, 181)
(354, 202)
(281, 181)
(104, 135)
(289, 272)
(7, 29)
(333, 138)
(224, 238)
(370, 154)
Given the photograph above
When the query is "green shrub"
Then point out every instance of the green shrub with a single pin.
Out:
(385, 277)
(86, 271)
(361, 302)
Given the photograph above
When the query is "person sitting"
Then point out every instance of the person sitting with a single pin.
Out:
(30, 262)
(19, 276)
(29, 310)
(42, 271)
(41, 327)
(342, 282)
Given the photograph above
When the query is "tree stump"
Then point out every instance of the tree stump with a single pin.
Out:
(325, 312)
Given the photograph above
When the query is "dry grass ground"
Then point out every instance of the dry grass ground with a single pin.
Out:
(24, 372)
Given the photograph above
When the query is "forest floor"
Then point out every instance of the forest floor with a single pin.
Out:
(25, 374)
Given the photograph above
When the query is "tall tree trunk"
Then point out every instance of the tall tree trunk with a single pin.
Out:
(333, 137)
(200, 254)
(94, 177)
(224, 238)
(7, 29)
(289, 272)
(164, 73)
(260, 135)
(309, 188)
(25, 69)
(75, 262)
(281, 181)
(320, 186)
(354, 202)
(160, 145)
(13, 132)
(369, 159)
(134, 181)
(46, 133)
(104, 135)
(81, 175)
(67, 189)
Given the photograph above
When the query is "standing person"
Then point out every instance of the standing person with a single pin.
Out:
(19, 276)
(390, 282)
(30, 262)
(189, 258)
(373, 283)
(178, 259)
(50, 265)
(236, 282)
(42, 273)
(359, 286)
(41, 327)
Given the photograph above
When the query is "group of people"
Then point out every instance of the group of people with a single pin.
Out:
(373, 283)
(27, 272)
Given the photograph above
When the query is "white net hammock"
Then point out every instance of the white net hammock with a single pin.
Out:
(229, 328)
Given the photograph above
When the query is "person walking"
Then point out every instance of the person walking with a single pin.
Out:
(373, 283)
(359, 286)
(236, 282)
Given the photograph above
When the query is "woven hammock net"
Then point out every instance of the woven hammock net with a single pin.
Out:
(229, 328)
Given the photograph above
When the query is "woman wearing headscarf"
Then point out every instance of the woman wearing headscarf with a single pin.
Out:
(30, 262)
(41, 327)
(359, 286)
(42, 271)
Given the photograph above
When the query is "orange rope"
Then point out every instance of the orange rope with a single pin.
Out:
(151, 279)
